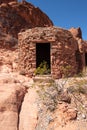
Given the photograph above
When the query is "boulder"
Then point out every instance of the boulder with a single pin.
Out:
(29, 111)
(11, 97)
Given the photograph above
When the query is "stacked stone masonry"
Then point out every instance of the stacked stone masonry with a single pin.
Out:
(63, 50)
(7, 1)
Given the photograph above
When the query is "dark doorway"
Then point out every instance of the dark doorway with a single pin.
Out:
(42, 53)
(85, 59)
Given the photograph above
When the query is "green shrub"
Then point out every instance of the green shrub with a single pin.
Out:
(79, 86)
(42, 69)
(66, 70)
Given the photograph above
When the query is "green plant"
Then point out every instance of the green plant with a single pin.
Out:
(66, 70)
(80, 75)
(42, 69)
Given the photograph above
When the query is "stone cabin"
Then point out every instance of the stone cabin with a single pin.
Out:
(54, 45)
(7, 1)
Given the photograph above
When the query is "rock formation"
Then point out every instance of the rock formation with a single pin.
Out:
(38, 103)
(10, 103)
(7, 40)
(18, 16)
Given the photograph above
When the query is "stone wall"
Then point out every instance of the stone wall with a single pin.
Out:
(7, 1)
(82, 45)
(63, 50)
(76, 32)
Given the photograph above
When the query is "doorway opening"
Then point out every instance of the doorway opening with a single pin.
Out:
(43, 54)
(86, 59)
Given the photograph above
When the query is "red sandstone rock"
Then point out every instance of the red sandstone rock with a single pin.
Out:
(71, 114)
(11, 96)
(76, 32)
(64, 114)
(29, 111)
(15, 17)
(65, 97)
(7, 41)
